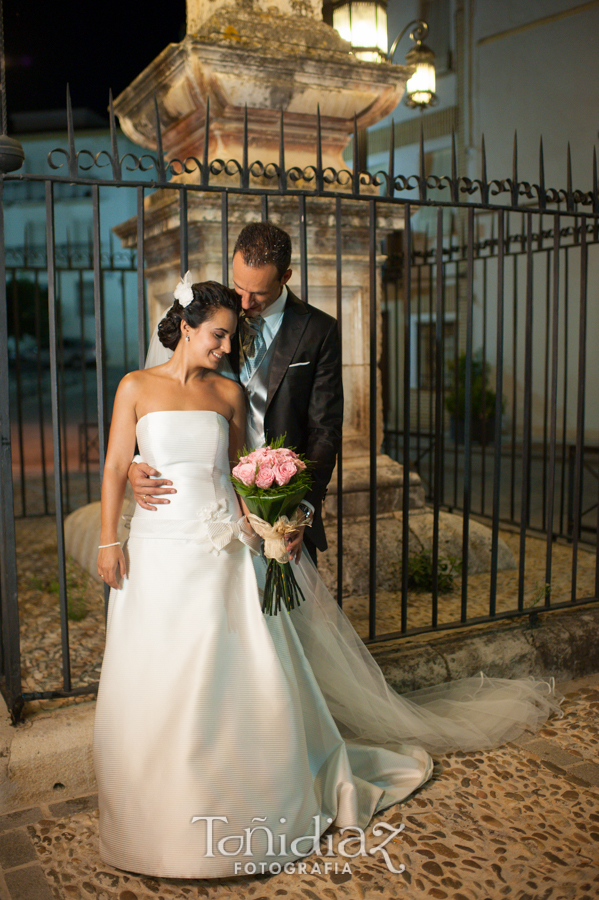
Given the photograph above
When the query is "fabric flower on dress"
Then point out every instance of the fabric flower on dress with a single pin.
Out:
(216, 510)
(221, 529)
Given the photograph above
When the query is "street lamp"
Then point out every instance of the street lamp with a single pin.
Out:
(364, 24)
(420, 89)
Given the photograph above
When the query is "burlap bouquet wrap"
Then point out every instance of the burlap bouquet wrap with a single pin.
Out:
(274, 535)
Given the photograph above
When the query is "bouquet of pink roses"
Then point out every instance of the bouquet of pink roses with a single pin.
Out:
(273, 481)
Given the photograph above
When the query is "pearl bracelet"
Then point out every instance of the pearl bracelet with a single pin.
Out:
(103, 546)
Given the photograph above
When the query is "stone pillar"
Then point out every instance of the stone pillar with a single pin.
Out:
(272, 59)
(199, 11)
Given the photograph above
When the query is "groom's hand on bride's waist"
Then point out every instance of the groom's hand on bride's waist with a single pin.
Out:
(148, 486)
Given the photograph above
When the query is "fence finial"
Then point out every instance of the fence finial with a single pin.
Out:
(245, 172)
(391, 179)
(421, 166)
(282, 170)
(159, 151)
(515, 170)
(356, 173)
(454, 169)
(116, 161)
(569, 194)
(319, 172)
(205, 156)
(73, 167)
(484, 184)
(595, 191)
(595, 196)
(542, 195)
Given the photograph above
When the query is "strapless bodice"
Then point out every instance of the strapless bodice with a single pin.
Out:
(191, 449)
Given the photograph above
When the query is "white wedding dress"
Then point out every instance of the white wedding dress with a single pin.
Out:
(283, 724)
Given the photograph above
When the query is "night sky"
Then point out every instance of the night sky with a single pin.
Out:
(92, 46)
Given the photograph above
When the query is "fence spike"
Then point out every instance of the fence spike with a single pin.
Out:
(454, 158)
(569, 194)
(319, 173)
(356, 173)
(205, 156)
(116, 161)
(159, 151)
(595, 190)
(515, 171)
(73, 165)
(484, 190)
(541, 175)
(282, 170)
(421, 166)
(595, 196)
(391, 180)
(245, 174)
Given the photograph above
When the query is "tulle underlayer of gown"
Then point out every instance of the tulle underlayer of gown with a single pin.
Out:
(213, 719)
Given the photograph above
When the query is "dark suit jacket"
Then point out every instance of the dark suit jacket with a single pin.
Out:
(305, 402)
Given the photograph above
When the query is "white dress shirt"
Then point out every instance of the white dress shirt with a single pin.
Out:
(273, 316)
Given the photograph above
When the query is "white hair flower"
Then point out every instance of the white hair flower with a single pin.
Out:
(183, 292)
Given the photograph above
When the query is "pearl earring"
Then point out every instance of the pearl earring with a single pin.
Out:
(186, 337)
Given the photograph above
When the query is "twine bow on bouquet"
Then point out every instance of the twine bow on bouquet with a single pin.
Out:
(273, 481)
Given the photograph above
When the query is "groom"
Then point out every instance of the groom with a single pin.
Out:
(289, 361)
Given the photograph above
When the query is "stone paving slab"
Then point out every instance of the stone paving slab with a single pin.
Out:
(489, 825)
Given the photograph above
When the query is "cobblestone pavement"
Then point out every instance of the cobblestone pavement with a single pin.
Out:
(519, 822)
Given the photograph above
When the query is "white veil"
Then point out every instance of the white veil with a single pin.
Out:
(467, 714)
(157, 353)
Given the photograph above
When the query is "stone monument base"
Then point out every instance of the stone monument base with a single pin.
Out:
(356, 548)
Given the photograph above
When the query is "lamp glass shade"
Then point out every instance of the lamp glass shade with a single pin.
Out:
(364, 25)
(342, 21)
(420, 89)
(421, 86)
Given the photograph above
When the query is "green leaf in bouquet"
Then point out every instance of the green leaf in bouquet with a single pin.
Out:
(271, 507)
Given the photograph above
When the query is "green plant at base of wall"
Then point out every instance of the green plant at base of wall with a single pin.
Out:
(420, 572)
(483, 396)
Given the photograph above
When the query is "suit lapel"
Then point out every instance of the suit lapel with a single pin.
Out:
(294, 323)
(234, 354)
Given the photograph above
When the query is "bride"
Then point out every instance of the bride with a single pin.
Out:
(222, 735)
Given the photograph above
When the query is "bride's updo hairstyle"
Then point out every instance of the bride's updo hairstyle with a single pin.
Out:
(208, 296)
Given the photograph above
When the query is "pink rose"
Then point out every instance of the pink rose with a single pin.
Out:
(265, 477)
(245, 472)
(284, 472)
(259, 457)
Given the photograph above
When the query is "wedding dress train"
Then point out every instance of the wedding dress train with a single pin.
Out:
(223, 735)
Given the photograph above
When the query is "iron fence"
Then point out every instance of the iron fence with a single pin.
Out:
(559, 227)
(549, 362)
(29, 363)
